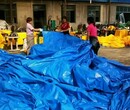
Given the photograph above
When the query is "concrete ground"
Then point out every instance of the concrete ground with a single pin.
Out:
(121, 55)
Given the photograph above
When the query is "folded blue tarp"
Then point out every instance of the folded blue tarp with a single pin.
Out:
(63, 74)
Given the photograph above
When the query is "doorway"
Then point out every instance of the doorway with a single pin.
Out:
(39, 15)
(2, 14)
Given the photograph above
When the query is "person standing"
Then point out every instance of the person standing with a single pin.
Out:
(58, 21)
(49, 23)
(65, 25)
(30, 36)
(92, 34)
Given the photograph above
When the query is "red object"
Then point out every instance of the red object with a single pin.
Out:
(65, 26)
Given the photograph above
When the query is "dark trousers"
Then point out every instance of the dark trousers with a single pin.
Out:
(95, 44)
(66, 32)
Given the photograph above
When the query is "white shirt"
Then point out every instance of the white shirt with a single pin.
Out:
(29, 29)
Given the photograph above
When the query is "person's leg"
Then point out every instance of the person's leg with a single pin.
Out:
(66, 32)
(95, 49)
(30, 43)
(95, 44)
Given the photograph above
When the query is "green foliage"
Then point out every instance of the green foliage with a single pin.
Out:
(128, 24)
(121, 25)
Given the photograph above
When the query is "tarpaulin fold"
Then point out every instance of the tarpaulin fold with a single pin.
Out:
(63, 73)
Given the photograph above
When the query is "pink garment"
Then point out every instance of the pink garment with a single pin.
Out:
(29, 29)
(92, 30)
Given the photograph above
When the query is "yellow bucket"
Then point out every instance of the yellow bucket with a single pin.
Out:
(84, 37)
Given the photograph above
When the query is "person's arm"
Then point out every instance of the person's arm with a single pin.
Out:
(34, 29)
(65, 30)
(37, 30)
(88, 32)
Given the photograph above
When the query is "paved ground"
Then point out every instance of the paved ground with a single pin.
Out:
(121, 55)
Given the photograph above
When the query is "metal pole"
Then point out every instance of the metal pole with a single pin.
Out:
(90, 1)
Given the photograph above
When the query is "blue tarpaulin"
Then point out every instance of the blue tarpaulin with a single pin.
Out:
(62, 74)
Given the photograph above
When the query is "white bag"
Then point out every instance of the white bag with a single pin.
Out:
(24, 45)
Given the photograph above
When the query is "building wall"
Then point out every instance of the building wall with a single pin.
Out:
(113, 13)
(104, 14)
(105, 1)
(53, 10)
(25, 9)
(81, 15)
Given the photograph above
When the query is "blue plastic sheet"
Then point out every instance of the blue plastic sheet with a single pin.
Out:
(62, 74)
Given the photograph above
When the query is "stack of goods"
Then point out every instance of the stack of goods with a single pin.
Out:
(111, 41)
(21, 35)
(119, 40)
(2, 41)
(126, 40)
